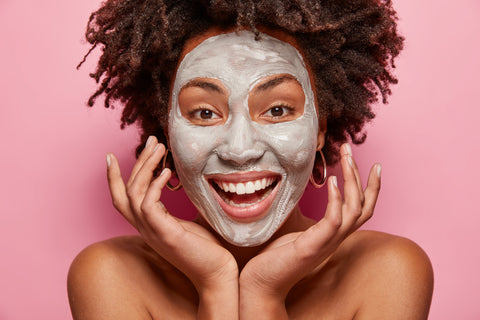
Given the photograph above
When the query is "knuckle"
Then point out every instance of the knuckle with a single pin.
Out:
(305, 253)
(147, 208)
(132, 192)
(356, 211)
(368, 214)
(334, 222)
(308, 254)
(362, 198)
(116, 204)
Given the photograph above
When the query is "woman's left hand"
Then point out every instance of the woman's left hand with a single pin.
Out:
(269, 276)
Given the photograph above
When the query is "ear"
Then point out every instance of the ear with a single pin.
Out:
(322, 130)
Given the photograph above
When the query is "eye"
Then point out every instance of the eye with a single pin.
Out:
(278, 112)
(203, 116)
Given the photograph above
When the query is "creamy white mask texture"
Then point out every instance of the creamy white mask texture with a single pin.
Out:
(284, 151)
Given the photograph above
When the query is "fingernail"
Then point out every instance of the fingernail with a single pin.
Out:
(350, 160)
(109, 161)
(156, 147)
(163, 171)
(348, 148)
(379, 170)
(334, 180)
(149, 140)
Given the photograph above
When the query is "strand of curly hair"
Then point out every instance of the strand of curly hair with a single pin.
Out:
(350, 46)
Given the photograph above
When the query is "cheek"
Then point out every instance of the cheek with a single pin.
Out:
(294, 143)
(192, 145)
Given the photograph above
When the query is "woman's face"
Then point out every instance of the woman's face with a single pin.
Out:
(243, 132)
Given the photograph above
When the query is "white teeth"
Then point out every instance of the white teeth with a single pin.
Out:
(245, 187)
(264, 183)
(240, 188)
(249, 187)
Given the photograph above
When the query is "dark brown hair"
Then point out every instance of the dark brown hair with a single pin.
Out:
(350, 46)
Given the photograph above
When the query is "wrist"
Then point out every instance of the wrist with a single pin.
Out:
(219, 301)
(257, 303)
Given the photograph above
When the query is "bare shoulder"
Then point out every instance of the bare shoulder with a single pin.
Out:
(372, 275)
(395, 275)
(122, 278)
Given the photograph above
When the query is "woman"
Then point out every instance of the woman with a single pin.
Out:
(252, 100)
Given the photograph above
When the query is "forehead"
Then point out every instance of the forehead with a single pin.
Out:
(238, 57)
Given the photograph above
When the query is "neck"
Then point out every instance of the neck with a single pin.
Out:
(296, 222)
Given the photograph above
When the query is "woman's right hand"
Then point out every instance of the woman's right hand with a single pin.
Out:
(185, 244)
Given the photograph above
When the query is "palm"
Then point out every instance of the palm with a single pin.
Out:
(185, 244)
(290, 258)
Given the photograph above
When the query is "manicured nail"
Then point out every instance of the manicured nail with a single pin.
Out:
(156, 147)
(149, 140)
(109, 160)
(350, 160)
(163, 171)
(348, 148)
(334, 181)
(379, 170)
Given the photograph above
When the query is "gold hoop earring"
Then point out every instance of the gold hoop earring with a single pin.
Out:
(315, 176)
(164, 165)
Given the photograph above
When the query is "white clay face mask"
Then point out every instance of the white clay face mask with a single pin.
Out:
(243, 173)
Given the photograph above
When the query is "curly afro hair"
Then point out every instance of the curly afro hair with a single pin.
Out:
(350, 46)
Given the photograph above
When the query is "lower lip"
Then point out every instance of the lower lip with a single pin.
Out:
(250, 213)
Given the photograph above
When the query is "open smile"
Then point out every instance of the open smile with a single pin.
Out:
(245, 197)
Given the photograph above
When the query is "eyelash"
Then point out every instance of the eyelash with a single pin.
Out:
(289, 110)
(196, 114)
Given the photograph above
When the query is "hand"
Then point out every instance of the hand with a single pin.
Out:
(186, 245)
(288, 259)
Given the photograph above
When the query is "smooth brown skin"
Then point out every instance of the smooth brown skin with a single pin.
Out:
(180, 269)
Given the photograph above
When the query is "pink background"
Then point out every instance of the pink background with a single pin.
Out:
(54, 195)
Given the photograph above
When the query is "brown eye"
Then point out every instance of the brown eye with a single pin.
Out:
(276, 111)
(206, 114)
(279, 111)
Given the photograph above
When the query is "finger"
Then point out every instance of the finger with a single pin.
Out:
(155, 212)
(144, 155)
(333, 212)
(136, 191)
(117, 189)
(352, 207)
(313, 240)
(314, 245)
(371, 194)
(346, 149)
(154, 191)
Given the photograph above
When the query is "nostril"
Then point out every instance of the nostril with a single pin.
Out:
(241, 158)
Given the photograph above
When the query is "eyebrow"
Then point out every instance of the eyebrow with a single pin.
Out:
(204, 84)
(274, 82)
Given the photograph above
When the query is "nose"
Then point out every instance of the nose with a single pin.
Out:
(241, 144)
